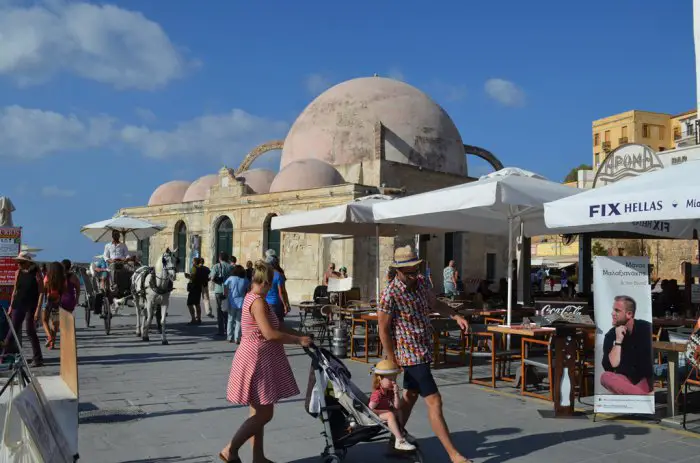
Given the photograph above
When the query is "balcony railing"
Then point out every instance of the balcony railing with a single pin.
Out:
(622, 140)
(606, 146)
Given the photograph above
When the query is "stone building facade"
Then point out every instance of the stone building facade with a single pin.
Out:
(361, 137)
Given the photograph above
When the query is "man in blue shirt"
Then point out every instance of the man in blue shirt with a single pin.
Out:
(220, 273)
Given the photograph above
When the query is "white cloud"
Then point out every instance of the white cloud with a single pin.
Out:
(396, 74)
(222, 135)
(317, 83)
(54, 191)
(505, 92)
(146, 115)
(104, 43)
(30, 134)
(450, 92)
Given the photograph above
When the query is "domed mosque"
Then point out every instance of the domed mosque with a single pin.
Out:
(369, 135)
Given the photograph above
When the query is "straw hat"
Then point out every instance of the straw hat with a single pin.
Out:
(405, 257)
(386, 368)
(25, 256)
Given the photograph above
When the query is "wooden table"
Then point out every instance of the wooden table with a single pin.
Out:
(664, 322)
(520, 330)
(672, 349)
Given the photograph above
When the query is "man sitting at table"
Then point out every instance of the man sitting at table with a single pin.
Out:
(627, 352)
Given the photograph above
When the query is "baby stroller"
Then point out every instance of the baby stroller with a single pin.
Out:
(344, 410)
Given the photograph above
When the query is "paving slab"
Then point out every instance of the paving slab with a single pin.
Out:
(145, 402)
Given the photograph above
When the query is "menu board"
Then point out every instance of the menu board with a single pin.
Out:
(10, 241)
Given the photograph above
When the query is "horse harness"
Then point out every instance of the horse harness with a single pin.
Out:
(154, 287)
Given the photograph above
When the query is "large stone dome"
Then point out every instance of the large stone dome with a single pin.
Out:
(199, 190)
(338, 127)
(259, 180)
(169, 193)
(304, 175)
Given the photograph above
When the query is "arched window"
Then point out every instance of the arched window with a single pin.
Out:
(224, 238)
(144, 247)
(181, 245)
(271, 238)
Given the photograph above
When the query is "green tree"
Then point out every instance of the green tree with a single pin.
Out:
(572, 176)
(598, 249)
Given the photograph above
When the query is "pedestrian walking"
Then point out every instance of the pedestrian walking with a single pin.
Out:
(24, 304)
(406, 333)
(260, 373)
(220, 273)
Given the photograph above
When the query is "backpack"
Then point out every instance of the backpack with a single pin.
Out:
(219, 278)
(68, 299)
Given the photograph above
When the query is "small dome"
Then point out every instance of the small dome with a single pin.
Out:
(169, 193)
(199, 190)
(304, 175)
(339, 127)
(259, 180)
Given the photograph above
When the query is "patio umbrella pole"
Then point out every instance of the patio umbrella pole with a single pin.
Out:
(379, 266)
(510, 269)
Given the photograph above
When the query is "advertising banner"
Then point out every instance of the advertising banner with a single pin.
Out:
(10, 243)
(10, 240)
(624, 373)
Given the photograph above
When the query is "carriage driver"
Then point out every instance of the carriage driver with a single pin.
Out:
(115, 252)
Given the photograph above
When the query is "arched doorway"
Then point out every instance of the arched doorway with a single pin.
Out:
(144, 247)
(180, 243)
(271, 238)
(224, 238)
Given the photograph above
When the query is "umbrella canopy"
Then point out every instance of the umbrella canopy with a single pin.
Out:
(663, 203)
(131, 228)
(483, 206)
(490, 205)
(28, 248)
(355, 218)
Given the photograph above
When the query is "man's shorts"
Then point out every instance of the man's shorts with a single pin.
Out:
(420, 379)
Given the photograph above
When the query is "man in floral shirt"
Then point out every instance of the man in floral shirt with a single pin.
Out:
(406, 335)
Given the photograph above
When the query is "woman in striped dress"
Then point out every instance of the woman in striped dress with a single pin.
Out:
(260, 373)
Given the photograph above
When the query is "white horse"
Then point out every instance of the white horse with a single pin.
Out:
(151, 288)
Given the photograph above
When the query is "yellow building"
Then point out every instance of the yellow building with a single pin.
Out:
(645, 127)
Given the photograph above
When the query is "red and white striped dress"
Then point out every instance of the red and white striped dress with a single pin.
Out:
(260, 372)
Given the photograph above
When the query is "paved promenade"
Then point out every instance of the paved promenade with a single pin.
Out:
(143, 402)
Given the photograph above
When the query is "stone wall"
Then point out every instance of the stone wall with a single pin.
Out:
(667, 256)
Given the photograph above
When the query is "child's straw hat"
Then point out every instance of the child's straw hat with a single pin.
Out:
(386, 368)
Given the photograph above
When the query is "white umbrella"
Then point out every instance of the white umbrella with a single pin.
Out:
(129, 227)
(355, 218)
(28, 248)
(662, 203)
(490, 205)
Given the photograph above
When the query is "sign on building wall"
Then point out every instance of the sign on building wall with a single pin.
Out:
(627, 161)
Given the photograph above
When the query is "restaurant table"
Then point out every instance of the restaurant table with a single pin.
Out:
(672, 349)
(664, 322)
(521, 330)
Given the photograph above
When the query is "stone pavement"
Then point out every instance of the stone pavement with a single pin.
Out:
(144, 402)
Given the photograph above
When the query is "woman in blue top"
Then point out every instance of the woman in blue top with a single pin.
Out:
(235, 288)
(277, 295)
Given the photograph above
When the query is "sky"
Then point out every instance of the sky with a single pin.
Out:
(102, 102)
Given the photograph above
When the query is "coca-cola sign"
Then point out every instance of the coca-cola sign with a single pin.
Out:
(559, 307)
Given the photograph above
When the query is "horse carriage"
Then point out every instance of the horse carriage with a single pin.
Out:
(148, 287)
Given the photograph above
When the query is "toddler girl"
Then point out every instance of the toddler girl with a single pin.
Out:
(386, 401)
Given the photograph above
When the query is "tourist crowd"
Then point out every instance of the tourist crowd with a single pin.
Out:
(39, 292)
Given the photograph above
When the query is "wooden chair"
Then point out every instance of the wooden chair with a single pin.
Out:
(448, 338)
(366, 332)
(535, 362)
(498, 356)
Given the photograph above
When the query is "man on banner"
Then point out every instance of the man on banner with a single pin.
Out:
(627, 351)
